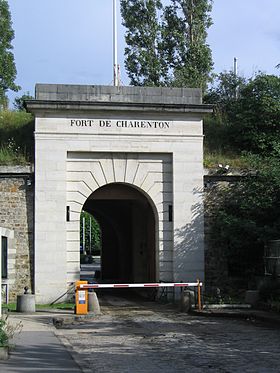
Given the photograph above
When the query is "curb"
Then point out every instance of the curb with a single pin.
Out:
(74, 354)
(238, 314)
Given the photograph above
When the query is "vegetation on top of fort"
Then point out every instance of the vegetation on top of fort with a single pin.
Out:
(245, 119)
(16, 137)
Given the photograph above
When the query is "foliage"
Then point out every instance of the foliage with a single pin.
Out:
(166, 45)
(7, 65)
(19, 101)
(246, 116)
(143, 38)
(16, 137)
(216, 132)
(245, 215)
(224, 92)
(4, 340)
(184, 29)
(7, 331)
(223, 95)
(11, 155)
(93, 240)
(254, 123)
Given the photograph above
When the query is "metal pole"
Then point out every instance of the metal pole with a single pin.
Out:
(84, 236)
(90, 235)
(235, 66)
(199, 295)
(235, 75)
(115, 44)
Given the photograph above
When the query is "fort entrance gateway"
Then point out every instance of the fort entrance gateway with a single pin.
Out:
(131, 157)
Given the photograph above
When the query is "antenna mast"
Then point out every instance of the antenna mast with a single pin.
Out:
(115, 44)
(235, 76)
(235, 66)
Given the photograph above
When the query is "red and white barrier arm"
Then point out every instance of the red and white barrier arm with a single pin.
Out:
(147, 285)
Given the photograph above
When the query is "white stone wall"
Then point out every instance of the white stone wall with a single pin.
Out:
(73, 161)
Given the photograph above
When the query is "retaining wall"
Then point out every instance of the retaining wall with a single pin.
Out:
(16, 215)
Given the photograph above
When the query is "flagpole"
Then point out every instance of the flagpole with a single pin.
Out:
(115, 44)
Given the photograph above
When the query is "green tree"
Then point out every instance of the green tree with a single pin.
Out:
(249, 122)
(92, 233)
(19, 101)
(254, 122)
(223, 94)
(167, 45)
(189, 57)
(7, 64)
(225, 91)
(143, 38)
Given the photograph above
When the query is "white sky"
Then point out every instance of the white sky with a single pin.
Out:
(57, 41)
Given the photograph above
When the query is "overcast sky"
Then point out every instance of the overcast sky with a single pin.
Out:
(70, 41)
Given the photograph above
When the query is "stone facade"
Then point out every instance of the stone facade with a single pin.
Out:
(87, 137)
(16, 222)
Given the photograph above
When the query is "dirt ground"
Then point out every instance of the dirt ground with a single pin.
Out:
(141, 336)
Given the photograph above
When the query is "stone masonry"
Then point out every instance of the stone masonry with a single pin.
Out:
(88, 137)
(16, 215)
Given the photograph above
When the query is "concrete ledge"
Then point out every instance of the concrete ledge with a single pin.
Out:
(263, 316)
(226, 306)
(17, 170)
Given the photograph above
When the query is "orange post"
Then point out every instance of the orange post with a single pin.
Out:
(199, 295)
(81, 296)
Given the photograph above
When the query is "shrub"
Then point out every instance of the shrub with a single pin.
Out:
(7, 331)
(4, 339)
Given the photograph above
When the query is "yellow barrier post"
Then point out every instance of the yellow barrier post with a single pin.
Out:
(199, 295)
(81, 299)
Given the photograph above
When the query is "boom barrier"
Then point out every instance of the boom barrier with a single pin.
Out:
(147, 285)
(83, 286)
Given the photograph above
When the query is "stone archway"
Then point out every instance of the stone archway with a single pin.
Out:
(138, 184)
(128, 227)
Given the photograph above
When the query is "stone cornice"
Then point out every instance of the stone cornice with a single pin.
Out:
(37, 106)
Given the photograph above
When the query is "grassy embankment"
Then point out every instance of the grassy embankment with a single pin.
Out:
(16, 138)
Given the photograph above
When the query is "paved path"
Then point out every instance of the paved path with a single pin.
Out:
(144, 337)
(131, 337)
(37, 349)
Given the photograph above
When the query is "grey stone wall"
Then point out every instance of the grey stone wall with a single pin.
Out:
(217, 275)
(92, 93)
(16, 214)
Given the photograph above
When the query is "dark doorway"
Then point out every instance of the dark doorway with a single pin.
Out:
(128, 242)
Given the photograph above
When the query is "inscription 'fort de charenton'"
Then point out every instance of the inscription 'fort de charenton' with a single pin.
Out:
(104, 123)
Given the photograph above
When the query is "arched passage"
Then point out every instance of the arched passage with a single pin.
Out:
(128, 225)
